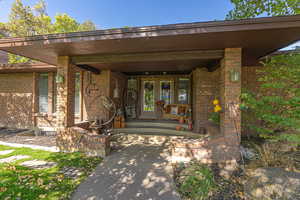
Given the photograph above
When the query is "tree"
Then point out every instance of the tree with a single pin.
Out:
(252, 8)
(276, 104)
(28, 21)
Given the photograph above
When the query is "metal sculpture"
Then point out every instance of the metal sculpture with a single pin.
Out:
(99, 126)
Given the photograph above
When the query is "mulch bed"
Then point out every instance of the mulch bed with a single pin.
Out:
(226, 189)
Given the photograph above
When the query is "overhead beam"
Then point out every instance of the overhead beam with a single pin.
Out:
(89, 68)
(147, 57)
(16, 68)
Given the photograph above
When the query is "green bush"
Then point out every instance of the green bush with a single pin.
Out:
(215, 117)
(275, 106)
(196, 182)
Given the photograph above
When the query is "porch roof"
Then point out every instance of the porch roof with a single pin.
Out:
(27, 67)
(172, 47)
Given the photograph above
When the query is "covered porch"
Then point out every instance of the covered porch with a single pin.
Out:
(186, 66)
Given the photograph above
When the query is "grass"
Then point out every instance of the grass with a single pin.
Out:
(18, 182)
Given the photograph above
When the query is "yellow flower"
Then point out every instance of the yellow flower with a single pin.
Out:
(216, 102)
(217, 108)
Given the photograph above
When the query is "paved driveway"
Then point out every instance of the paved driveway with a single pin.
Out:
(135, 172)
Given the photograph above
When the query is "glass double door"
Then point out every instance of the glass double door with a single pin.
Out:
(154, 94)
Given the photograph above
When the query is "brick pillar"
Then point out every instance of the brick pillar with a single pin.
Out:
(50, 92)
(35, 97)
(205, 89)
(230, 92)
(65, 93)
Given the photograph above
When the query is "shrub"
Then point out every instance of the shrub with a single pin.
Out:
(276, 155)
(275, 107)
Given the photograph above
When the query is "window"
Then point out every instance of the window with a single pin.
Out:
(165, 91)
(77, 93)
(183, 90)
(43, 93)
(148, 96)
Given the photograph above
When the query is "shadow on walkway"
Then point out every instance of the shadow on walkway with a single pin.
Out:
(135, 172)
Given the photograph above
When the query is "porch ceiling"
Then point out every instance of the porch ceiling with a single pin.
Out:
(155, 66)
(258, 37)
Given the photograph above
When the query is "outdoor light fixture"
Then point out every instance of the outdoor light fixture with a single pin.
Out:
(234, 75)
(59, 78)
(116, 90)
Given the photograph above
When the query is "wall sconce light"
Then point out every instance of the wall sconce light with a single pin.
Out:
(59, 78)
(234, 75)
(116, 90)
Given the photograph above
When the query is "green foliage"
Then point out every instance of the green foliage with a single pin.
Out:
(28, 21)
(253, 8)
(197, 183)
(64, 23)
(275, 107)
(215, 117)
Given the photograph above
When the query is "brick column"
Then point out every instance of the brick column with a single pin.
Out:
(50, 92)
(65, 93)
(35, 97)
(230, 92)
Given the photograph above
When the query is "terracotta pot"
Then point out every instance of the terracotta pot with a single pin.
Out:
(178, 128)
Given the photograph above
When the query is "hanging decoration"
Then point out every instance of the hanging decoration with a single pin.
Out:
(92, 90)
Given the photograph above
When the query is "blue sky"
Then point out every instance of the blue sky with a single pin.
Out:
(119, 13)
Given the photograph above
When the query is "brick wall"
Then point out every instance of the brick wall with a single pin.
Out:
(205, 88)
(118, 80)
(92, 108)
(224, 146)
(249, 77)
(16, 100)
(18, 87)
(230, 92)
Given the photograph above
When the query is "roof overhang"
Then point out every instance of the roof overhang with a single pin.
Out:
(27, 67)
(258, 37)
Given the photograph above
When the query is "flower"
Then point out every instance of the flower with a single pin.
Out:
(160, 103)
(217, 108)
(216, 102)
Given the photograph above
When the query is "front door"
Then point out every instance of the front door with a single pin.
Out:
(153, 90)
(148, 109)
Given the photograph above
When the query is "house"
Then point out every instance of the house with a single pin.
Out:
(185, 65)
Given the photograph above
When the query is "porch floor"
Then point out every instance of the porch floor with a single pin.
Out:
(156, 127)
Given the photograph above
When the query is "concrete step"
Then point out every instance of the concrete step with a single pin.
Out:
(161, 125)
(156, 131)
(124, 139)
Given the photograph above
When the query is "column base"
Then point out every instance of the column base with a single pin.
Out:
(76, 139)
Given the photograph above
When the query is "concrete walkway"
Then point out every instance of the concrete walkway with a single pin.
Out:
(135, 172)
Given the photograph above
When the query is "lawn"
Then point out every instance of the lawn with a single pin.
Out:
(18, 182)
